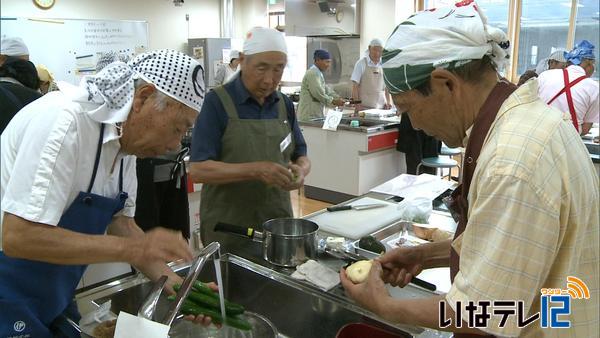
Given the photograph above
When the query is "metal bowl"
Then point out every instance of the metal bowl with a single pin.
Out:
(261, 327)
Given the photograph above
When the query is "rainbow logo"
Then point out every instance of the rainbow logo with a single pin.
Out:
(576, 288)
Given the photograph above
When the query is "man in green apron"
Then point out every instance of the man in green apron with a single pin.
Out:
(247, 148)
(527, 208)
(367, 80)
(314, 93)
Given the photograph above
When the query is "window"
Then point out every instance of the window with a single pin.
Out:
(495, 10)
(544, 28)
(587, 26)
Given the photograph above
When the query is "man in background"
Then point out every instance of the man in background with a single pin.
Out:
(314, 93)
(571, 90)
(13, 46)
(227, 71)
(367, 80)
(19, 84)
(556, 60)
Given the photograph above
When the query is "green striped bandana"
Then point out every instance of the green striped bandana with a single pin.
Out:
(446, 37)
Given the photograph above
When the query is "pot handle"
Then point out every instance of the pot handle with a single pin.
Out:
(235, 229)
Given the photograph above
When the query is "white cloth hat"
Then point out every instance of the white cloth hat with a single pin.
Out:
(112, 89)
(446, 37)
(557, 55)
(261, 39)
(13, 47)
(376, 43)
(234, 54)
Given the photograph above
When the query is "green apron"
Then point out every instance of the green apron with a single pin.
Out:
(247, 203)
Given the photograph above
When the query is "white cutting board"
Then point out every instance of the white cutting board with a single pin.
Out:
(355, 224)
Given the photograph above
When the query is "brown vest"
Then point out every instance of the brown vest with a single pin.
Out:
(458, 202)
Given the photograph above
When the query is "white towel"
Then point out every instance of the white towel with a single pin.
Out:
(318, 274)
(130, 326)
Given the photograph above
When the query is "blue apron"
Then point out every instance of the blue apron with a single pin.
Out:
(35, 297)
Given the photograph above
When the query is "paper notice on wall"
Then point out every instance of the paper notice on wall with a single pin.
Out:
(332, 120)
(411, 186)
(198, 52)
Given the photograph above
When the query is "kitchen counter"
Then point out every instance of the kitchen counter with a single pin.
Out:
(332, 308)
(352, 160)
(366, 125)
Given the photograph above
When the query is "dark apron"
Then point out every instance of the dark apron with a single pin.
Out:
(37, 297)
(248, 203)
(162, 203)
(458, 203)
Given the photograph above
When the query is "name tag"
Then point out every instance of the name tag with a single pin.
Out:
(285, 143)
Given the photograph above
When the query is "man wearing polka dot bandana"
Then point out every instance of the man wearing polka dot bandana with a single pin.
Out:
(68, 185)
(247, 147)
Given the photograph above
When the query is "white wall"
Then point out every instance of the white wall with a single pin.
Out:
(248, 14)
(167, 27)
(380, 17)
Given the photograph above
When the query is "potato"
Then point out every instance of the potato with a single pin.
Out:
(359, 271)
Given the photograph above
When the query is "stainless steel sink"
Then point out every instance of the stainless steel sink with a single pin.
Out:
(296, 310)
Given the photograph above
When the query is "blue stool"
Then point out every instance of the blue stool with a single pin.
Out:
(438, 163)
(451, 152)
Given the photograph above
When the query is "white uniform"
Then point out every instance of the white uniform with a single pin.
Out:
(584, 93)
(47, 157)
(369, 76)
(224, 74)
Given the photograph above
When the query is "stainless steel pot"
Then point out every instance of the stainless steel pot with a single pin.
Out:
(286, 242)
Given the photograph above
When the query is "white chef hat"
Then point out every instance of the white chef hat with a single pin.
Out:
(234, 54)
(376, 43)
(261, 39)
(13, 47)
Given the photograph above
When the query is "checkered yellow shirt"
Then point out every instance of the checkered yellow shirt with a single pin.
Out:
(533, 218)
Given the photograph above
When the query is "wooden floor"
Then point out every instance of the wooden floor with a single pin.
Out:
(303, 206)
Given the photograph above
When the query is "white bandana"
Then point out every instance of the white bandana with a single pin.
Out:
(261, 39)
(445, 37)
(13, 47)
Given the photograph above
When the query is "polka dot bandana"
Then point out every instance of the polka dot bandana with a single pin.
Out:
(109, 57)
(173, 73)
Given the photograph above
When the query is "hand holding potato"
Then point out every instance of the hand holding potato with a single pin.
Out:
(371, 293)
(359, 271)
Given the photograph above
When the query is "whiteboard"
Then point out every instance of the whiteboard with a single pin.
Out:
(70, 48)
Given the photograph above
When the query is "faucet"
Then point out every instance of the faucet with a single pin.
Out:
(149, 305)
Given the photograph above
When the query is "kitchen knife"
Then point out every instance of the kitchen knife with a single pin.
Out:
(355, 207)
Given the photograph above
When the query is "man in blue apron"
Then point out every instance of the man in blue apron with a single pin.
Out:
(527, 208)
(68, 185)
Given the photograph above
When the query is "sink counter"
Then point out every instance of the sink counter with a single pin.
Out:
(266, 290)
